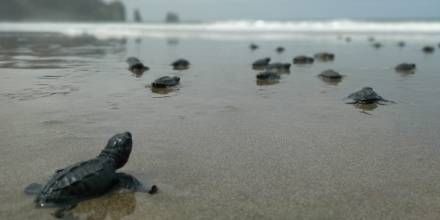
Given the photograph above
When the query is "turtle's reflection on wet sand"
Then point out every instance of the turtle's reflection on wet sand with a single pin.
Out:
(114, 206)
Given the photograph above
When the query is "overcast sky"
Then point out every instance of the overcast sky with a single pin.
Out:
(211, 10)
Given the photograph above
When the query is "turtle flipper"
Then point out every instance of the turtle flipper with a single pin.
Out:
(130, 182)
(385, 101)
(33, 189)
(351, 102)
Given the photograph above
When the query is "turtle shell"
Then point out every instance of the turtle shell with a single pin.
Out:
(79, 181)
(365, 95)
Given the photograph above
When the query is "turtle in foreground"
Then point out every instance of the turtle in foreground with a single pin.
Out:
(136, 66)
(180, 64)
(428, 49)
(405, 68)
(261, 63)
(303, 60)
(325, 56)
(278, 67)
(88, 179)
(165, 82)
(366, 96)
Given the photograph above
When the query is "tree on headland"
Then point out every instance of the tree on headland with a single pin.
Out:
(61, 10)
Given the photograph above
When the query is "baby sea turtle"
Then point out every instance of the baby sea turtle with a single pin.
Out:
(253, 46)
(180, 64)
(278, 67)
(90, 178)
(303, 60)
(136, 66)
(366, 96)
(279, 49)
(406, 67)
(377, 45)
(330, 76)
(325, 56)
(401, 43)
(261, 63)
(268, 75)
(428, 49)
(267, 78)
(165, 81)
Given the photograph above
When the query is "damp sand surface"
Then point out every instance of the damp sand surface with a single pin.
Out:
(222, 145)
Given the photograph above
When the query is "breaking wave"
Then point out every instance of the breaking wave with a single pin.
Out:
(228, 28)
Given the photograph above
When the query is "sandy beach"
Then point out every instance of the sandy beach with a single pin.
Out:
(221, 146)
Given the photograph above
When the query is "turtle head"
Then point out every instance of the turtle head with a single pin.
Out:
(118, 149)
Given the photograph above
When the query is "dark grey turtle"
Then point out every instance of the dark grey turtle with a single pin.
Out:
(261, 63)
(330, 74)
(401, 43)
(303, 60)
(366, 96)
(428, 49)
(267, 78)
(136, 66)
(279, 49)
(165, 81)
(325, 56)
(279, 67)
(253, 46)
(267, 75)
(406, 67)
(331, 77)
(377, 45)
(88, 179)
(180, 64)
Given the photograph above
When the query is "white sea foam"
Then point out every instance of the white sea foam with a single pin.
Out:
(230, 29)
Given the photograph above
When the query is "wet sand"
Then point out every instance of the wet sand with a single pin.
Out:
(221, 146)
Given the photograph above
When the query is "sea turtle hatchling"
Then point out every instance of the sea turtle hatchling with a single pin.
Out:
(406, 68)
(261, 63)
(278, 67)
(330, 74)
(325, 56)
(366, 96)
(88, 179)
(302, 59)
(136, 66)
(180, 64)
(165, 81)
(267, 75)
